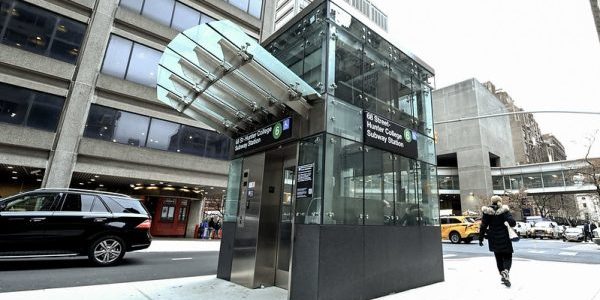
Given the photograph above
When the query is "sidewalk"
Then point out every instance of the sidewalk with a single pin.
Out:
(473, 278)
(182, 245)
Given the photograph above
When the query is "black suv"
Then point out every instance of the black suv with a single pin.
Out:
(70, 222)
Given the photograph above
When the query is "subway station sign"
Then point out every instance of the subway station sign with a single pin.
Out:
(276, 132)
(382, 133)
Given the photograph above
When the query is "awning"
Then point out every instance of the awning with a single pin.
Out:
(218, 75)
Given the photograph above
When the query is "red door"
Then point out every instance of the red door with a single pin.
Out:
(170, 217)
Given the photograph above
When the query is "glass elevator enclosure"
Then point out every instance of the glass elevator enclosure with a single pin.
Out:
(345, 204)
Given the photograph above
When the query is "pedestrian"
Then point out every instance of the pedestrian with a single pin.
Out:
(205, 229)
(586, 232)
(211, 228)
(494, 217)
(218, 229)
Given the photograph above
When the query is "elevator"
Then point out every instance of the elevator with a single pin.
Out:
(262, 248)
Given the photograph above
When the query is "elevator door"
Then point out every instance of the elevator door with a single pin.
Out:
(284, 240)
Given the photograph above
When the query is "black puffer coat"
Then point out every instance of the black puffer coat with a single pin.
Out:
(493, 223)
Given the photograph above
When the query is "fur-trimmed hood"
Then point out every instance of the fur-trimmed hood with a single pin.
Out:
(494, 210)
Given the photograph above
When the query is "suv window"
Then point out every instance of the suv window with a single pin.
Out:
(454, 221)
(32, 202)
(82, 202)
(444, 220)
(125, 205)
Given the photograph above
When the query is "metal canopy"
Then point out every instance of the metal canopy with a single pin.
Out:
(218, 75)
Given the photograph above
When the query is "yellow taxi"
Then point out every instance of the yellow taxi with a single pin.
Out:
(459, 228)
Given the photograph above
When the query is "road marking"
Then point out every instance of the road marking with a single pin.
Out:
(449, 255)
(536, 251)
(568, 253)
(182, 258)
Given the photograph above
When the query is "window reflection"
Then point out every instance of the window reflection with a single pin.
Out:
(40, 31)
(131, 61)
(162, 134)
(131, 129)
(30, 108)
(253, 7)
(168, 12)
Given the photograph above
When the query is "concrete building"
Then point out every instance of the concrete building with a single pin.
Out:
(554, 148)
(78, 105)
(589, 207)
(527, 139)
(596, 13)
(470, 148)
(285, 10)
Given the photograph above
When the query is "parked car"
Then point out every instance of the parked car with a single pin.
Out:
(573, 234)
(522, 229)
(459, 228)
(596, 236)
(545, 229)
(70, 222)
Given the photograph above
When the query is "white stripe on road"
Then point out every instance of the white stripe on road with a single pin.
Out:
(536, 251)
(568, 253)
(449, 255)
(183, 258)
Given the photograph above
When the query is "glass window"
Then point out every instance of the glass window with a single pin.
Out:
(185, 17)
(379, 187)
(241, 4)
(125, 205)
(407, 209)
(233, 190)
(159, 10)
(348, 61)
(217, 146)
(117, 56)
(5, 8)
(143, 65)
(343, 202)
(533, 180)
(163, 135)
(308, 207)
(131, 129)
(448, 182)
(78, 202)
(429, 201)
(134, 5)
(516, 182)
(553, 179)
(206, 19)
(182, 214)
(14, 104)
(101, 123)
(255, 8)
(45, 112)
(167, 213)
(498, 182)
(35, 202)
(192, 140)
(376, 82)
(37, 30)
(98, 206)
(424, 110)
(402, 97)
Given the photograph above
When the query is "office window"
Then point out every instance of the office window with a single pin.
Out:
(252, 7)
(192, 141)
(29, 108)
(163, 135)
(185, 17)
(168, 12)
(131, 129)
(101, 123)
(159, 10)
(40, 31)
(131, 61)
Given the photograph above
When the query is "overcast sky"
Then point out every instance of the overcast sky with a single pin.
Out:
(544, 53)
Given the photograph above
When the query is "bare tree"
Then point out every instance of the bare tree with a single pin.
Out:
(591, 170)
(517, 202)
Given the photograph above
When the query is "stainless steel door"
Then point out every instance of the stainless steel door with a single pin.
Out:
(284, 240)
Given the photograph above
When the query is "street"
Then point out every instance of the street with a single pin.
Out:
(534, 249)
(165, 259)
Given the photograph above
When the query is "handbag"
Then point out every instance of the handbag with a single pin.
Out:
(512, 235)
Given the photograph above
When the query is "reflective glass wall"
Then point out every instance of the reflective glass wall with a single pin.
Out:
(40, 31)
(109, 124)
(168, 12)
(252, 7)
(25, 107)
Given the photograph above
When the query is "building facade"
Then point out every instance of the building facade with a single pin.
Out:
(78, 105)
(554, 148)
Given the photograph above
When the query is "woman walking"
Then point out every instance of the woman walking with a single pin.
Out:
(499, 242)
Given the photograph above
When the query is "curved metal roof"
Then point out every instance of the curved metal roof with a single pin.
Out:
(218, 75)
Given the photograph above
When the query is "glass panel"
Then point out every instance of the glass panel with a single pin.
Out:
(45, 112)
(426, 148)
(516, 182)
(134, 5)
(117, 56)
(101, 123)
(143, 65)
(99, 206)
(425, 111)
(343, 202)
(192, 140)
(553, 179)
(379, 187)
(159, 10)
(14, 103)
(67, 40)
(498, 182)
(407, 209)
(163, 135)
(36, 202)
(185, 17)
(233, 190)
(532, 181)
(255, 8)
(429, 208)
(5, 7)
(285, 220)
(348, 69)
(77, 202)
(344, 119)
(206, 19)
(131, 129)
(308, 207)
(448, 182)
(217, 146)
(241, 4)
(376, 82)
(30, 28)
(402, 97)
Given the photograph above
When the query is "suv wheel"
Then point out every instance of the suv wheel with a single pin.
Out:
(454, 237)
(107, 251)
